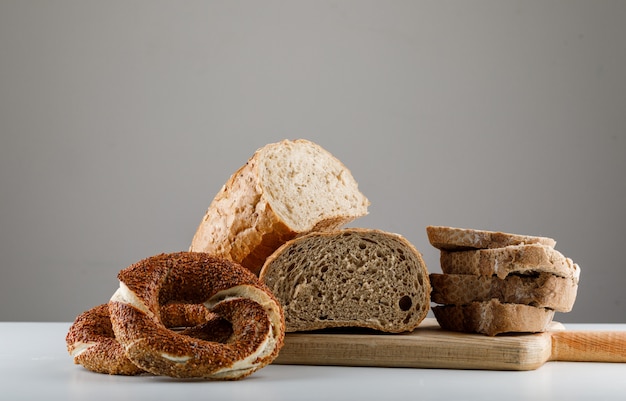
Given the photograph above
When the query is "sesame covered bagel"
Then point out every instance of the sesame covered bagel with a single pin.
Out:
(91, 341)
(224, 287)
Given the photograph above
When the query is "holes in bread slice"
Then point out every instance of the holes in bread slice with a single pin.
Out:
(405, 303)
(354, 278)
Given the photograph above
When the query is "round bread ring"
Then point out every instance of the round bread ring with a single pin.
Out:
(225, 288)
(91, 341)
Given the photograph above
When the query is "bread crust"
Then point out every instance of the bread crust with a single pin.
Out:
(240, 224)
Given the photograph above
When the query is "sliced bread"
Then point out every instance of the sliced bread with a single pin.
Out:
(497, 282)
(493, 317)
(541, 290)
(510, 259)
(284, 190)
(349, 278)
(457, 239)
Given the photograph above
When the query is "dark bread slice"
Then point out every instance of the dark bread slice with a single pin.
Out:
(458, 239)
(510, 259)
(493, 317)
(539, 290)
(349, 278)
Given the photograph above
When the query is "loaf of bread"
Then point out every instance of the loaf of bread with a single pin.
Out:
(540, 290)
(493, 317)
(285, 189)
(459, 239)
(510, 259)
(351, 277)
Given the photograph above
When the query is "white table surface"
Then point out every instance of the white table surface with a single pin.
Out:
(35, 365)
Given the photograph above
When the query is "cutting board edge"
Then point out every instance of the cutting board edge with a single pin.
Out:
(427, 347)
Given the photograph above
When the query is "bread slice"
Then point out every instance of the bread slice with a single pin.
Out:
(285, 189)
(458, 239)
(352, 277)
(540, 290)
(510, 259)
(493, 317)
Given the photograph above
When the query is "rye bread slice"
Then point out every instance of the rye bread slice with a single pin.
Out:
(353, 277)
(510, 259)
(493, 317)
(540, 290)
(459, 239)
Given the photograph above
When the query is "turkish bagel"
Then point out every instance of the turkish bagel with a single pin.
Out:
(91, 341)
(224, 288)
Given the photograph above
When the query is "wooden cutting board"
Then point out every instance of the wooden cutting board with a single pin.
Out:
(431, 347)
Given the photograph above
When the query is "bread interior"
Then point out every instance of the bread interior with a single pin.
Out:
(306, 185)
(350, 280)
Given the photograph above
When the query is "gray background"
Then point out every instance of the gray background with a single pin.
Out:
(120, 120)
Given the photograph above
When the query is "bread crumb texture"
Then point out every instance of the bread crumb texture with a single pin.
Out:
(350, 278)
(305, 184)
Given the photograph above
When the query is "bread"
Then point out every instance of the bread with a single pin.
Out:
(352, 277)
(458, 239)
(493, 317)
(496, 282)
(225, 288)
(510, 259)
(285, 189)
(540, 290)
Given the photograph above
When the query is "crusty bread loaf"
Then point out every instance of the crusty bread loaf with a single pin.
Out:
(285, 189)
(457, 239)
(493, 317)
(510, 259)
(541, 290)
(349, 278)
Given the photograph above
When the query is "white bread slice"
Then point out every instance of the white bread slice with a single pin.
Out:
(458, 239)
(493, 317)
(284, 190)
(510, 259)
(349, 278)
(540, 290)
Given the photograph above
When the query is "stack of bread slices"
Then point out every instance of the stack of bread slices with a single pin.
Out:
(496, 282)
